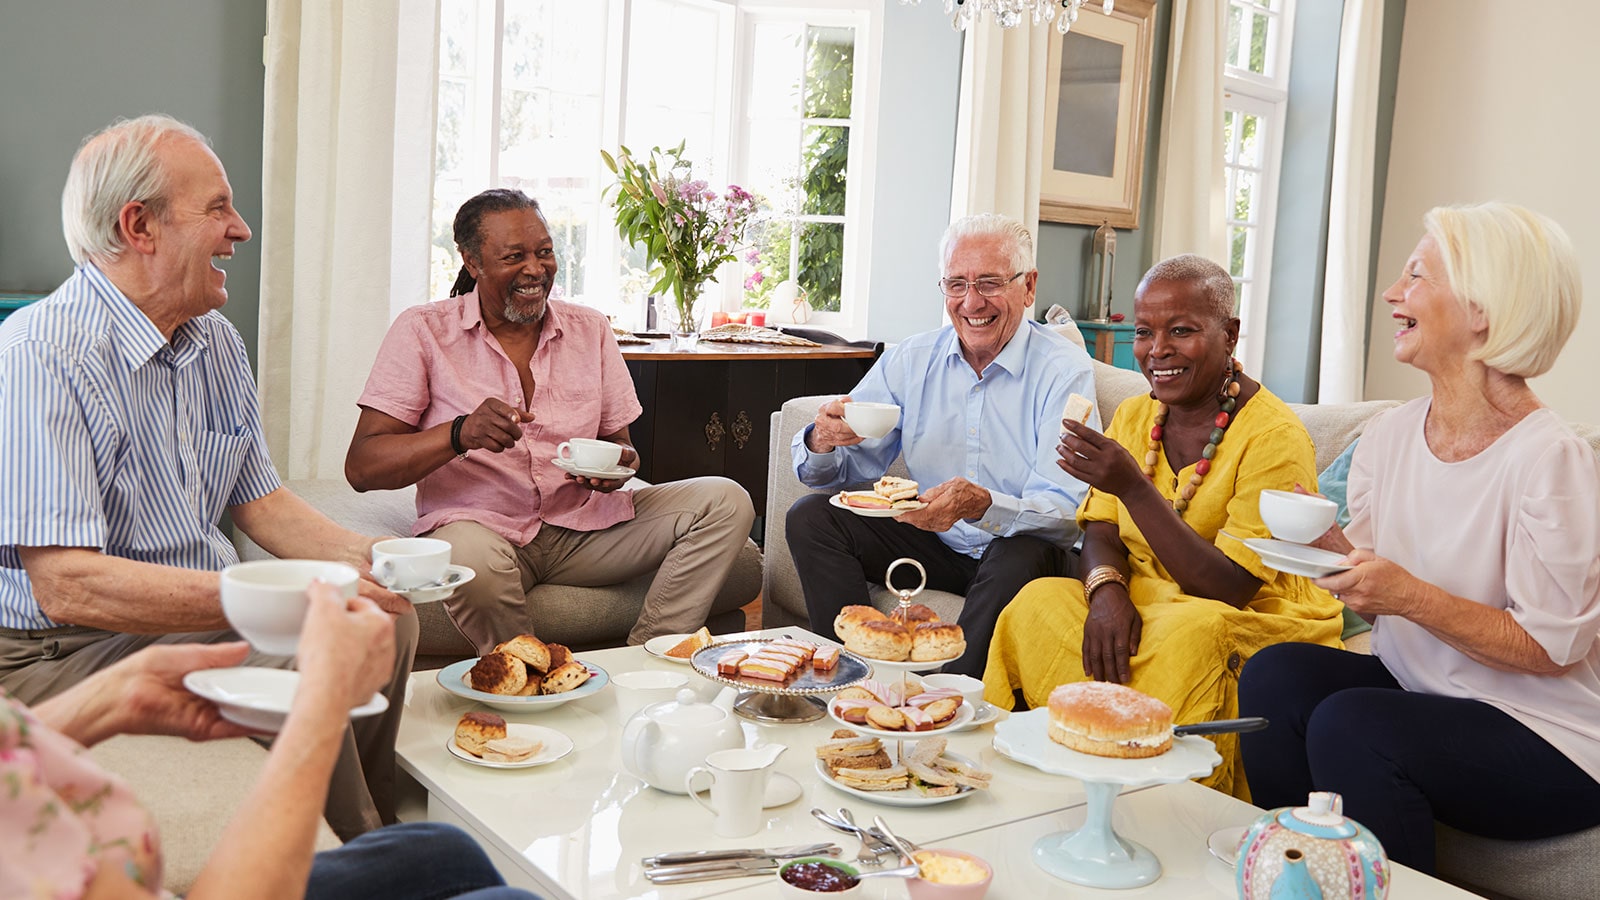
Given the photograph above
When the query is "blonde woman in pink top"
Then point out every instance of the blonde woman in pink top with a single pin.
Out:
(1474, 547)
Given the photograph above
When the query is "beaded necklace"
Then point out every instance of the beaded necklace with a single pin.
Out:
(1228, 395)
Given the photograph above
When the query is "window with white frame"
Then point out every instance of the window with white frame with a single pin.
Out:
(1256, 91)
(770, 95)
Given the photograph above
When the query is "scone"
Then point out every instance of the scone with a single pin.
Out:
(559, 656)
(852, 617)
(499, 673)
(530, 650)
(880, 639)
(478, 728)
(937, 640)
(913, 615)
(567, 678)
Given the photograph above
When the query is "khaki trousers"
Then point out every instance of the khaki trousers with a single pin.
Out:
(689, 532)
(38, 665)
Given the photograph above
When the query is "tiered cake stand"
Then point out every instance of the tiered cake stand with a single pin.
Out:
(1095, 855)
(781, 704)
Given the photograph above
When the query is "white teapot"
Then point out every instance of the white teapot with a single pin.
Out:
(663, 741)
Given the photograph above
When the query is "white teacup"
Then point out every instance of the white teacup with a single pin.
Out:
(871, 420)
(1300, 518)
(738, 789)
(401, 564)
(971, 689)
(265, 601)
(589, 453)
(636, 690)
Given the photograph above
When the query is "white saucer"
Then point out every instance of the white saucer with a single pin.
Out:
(658, 647)
(259, 697)
(885, 513)
(556, 745)
(1224, 843)
(1296, 559)
(781, 789)
(572, 468)
(454, 577)
(982, 714)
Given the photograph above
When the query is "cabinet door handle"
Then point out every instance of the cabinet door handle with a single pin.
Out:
(714, 431)
(742, 429)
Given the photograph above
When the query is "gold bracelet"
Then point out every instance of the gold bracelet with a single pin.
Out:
(1099, 576)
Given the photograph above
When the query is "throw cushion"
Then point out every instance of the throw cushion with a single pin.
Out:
(1332, 483)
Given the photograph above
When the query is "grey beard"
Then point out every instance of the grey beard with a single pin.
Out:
(513, 314)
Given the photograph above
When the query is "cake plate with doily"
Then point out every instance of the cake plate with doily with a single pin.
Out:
(1095, 855)
(785, 703)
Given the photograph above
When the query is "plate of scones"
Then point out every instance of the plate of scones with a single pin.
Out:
(908, 637)
(485, 739)
(523, 674)
(925, 774)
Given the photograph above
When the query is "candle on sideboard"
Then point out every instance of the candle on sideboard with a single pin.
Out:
(757, 318)
(719, 318)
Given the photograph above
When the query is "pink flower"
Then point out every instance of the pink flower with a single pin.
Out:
(661, 195)
(754, 281)
(753, 257)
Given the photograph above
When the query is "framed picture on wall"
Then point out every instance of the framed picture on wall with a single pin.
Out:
(1096, 99)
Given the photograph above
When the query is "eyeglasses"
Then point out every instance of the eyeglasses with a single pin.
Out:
(955, 288)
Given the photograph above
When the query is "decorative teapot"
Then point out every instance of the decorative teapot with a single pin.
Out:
(663, 741)
(1311, 852)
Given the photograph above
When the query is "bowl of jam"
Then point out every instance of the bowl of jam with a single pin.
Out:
(816, 876)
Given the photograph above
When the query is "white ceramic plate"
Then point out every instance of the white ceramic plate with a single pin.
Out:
(556, 745)
(454, 577)
(259, 697)
(1296, 559)
(572, 468)
(453, 678)
(907, 665)
(905, 796)
(658, 647)
(885, 513)
(982, 714)
(1025, 738)
(1224, 844)
(964, 715)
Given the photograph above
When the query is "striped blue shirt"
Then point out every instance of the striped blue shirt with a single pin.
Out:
(113, 438)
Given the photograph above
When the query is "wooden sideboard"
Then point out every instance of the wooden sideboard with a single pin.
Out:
(707, 411)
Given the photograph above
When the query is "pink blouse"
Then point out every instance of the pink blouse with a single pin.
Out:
(62, 817)
(1516, 527)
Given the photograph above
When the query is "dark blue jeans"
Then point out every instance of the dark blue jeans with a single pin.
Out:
(1402, 759)
(414, 861)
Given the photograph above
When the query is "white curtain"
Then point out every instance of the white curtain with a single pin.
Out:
(1000, 122)
(346, 187)
(1344, 290)
(1190, 206)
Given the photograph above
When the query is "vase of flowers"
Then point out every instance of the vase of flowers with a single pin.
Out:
(686, 229)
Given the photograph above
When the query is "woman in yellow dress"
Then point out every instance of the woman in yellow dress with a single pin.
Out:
(1173, 603)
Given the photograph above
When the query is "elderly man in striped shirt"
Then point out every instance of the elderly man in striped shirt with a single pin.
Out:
(131, 424)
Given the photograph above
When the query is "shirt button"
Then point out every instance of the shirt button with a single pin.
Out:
(972, 431)
(1234, 662)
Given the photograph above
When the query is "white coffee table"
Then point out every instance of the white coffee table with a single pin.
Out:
(578, 828)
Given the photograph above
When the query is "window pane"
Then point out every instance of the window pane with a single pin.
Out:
(830, 68)
(1244, 197)
(767, 260)
(773, 165)
(1250, 142)
(822, 263)
(1236, 258)
(1235, 27)
(457, 22)
(775, 70)
(825, 159)
(672, 80)
(1258, 44)
(1229, 152)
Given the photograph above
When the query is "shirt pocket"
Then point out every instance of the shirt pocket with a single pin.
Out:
(219, 459)
(573, 410)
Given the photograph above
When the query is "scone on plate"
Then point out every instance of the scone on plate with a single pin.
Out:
(475, 729)
(567, 678)
(499, 673)
(936, 640)
(532, 651)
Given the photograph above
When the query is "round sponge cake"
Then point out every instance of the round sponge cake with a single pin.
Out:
(1104, 719)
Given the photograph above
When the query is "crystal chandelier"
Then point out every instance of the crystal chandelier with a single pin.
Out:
(1009, 13)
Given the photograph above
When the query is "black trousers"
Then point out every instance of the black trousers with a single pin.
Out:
(1401, 759)
(837, 553)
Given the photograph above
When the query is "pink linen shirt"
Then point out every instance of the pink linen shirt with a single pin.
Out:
(1515, 527)
(439, 361)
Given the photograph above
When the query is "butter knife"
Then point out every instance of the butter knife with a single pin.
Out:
(699, 856)
(710, 871)
(1222, 726)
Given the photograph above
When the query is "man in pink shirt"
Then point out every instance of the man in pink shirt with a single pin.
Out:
(468, 400)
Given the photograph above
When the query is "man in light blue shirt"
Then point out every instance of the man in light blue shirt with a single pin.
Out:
(981, 404)
(131, 425)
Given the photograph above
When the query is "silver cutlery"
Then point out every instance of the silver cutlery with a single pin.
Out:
(711, 871)
(903, 846)
(872, 846)
(698, 856)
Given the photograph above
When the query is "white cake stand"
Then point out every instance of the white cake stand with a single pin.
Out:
(1095, 855)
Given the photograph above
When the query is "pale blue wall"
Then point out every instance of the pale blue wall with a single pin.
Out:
(70, 67)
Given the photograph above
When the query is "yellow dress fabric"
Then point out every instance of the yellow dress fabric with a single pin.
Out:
(1192, 648)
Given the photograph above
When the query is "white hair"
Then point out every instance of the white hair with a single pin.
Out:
(113, 168)
(1018, 240)
(1215, 282)
(1518, 267)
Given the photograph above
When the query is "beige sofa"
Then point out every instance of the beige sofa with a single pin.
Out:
(1564, 868)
